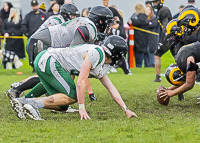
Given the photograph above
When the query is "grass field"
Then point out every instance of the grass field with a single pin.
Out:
(177, 122)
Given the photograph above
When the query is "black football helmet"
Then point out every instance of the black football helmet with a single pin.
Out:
(174, 75)
(101, 16)
(67, 9)
(116, 47)
(157, 7)
(189, 17)
(174, 33)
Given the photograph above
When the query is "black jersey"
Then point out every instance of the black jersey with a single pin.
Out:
(164, 16)
(32, 21)
(185, 52)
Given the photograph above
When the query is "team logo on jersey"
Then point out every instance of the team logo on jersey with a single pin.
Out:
(42, 17)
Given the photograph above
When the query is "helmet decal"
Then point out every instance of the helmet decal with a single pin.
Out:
(174, 75)
(171, 77)
(187, 12)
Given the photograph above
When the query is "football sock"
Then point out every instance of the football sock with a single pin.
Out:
(28, 100)
(40, 103)
(90, 93)
(37, 91)
(28, 84)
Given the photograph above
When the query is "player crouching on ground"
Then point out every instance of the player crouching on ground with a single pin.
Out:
(54, 68)
(183, 75)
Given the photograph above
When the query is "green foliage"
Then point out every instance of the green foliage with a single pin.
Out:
(177, 122)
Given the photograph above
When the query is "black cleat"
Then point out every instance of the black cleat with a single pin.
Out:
(180, 97)
(92, 97)
(158, 78)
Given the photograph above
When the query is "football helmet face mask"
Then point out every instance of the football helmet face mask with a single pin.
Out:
(116, 47)
(101, 16)
(67, 10)
(174, 33)
(174, 75)
(189, 18)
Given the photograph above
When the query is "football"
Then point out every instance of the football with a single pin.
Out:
(161, 100)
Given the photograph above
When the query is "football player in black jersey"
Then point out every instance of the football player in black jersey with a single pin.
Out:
(163, 15)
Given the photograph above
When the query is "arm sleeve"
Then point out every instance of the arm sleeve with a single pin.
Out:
(24, 26)
(122, 32)
(140, 20)
(116, 13)
(154, 23)
(3, 27)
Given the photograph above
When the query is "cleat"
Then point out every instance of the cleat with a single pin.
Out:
(180, 97)
(69, 110)
(92, 97)
(158, 78)
(15, 84)
(112, 69)
(12, 93)
(32, 111)
(17, 106)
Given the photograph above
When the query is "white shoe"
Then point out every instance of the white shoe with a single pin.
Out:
(32, 112)
(8, 66)
(112, 69)
(17, 106)
(11, 93)
(15, 84)
(71, 110)
(130, 73)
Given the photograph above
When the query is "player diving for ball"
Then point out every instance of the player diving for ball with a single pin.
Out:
(54, 68)
(77, 31)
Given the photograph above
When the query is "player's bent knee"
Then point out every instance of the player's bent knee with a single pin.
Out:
(50, 99)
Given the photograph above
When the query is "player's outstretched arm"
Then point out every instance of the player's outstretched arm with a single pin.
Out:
(80, 87)
(116, 96)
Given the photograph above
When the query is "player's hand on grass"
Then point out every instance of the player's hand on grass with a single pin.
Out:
(130, 114)
(84, 114)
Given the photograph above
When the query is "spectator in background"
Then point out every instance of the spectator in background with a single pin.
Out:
(14, 48)
(119, 11)
(5, 11)
(138, 19)
(191, 2)
(85, 12)
(164, 16)
(33, 20)
(60, 2)
(51, 2)
(115, 28)
(68, 1)
(152, 25)
(42, 7)
(0, 28)
(180, 9)
(148, 3)
(55, 9)
(121, 27)
(114, 11)
(122, 63)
